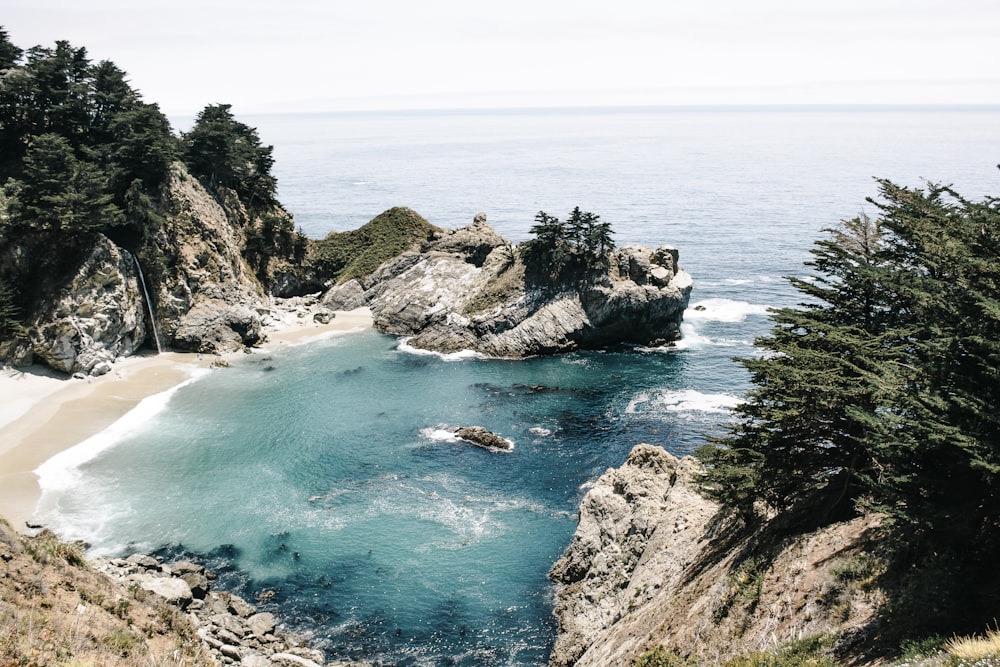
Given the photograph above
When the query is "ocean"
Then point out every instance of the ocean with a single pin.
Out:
(323, 482)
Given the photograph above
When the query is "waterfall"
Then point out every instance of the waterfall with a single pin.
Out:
(149, 305)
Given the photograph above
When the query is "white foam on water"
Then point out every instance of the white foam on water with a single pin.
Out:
(61, 472)
(681, 401)
(723, 310)
(690, 339)
(440, 433)
(461, 355)
(540, 431)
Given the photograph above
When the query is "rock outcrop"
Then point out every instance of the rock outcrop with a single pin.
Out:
(95, 318)
(645, 569)
(466, 290)
(208, 299)
(480, 437)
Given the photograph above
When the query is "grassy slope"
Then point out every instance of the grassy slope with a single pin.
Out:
(54, 609)
(357, 253)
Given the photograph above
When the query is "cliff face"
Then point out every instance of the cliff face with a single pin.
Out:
(97, 317)
(645, 569)
(466, 290)
(208, 299)
(205, 297)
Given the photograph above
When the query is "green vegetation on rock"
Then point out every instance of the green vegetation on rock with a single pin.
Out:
(355, 254)
(565, 252)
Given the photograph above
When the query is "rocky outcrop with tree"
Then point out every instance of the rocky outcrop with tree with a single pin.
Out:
(471, 289)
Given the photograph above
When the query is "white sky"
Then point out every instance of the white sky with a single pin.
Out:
(266, 55)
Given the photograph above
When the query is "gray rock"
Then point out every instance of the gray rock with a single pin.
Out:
(253, 659)
(198, 583)
(214, 326)
(348, 296)
(230, 651)
(174, 591)
(480, 437)
(144, 561)
(239, 606)
(290, 660)
(96, 317)
(183, 567)
(619, 554)
(308, 653)
(262, 624)
(100, 368)
(465, 290)
(323, 316)
(230, 623)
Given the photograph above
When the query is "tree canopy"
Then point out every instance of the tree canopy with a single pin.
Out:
(222, 151)
(879, 392)
(562, 252)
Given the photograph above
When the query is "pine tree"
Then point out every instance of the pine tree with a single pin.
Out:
(798, 438)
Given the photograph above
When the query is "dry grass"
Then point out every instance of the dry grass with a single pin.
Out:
(56, 610)
(975, 648)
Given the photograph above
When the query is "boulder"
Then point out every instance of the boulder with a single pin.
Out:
(214, 326)
(346, 296)
(174, 591)
(262, 624)
(480, 437)
(290, 660)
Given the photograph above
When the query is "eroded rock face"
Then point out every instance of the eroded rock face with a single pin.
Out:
(208, 302)
(466, 290)
(96, 318)
(645, 568)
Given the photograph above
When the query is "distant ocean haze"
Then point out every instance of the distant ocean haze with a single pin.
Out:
(327, 475)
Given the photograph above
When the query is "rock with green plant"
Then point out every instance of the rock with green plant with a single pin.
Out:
(471, 289)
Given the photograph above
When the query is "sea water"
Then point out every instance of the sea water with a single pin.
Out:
(324, 481)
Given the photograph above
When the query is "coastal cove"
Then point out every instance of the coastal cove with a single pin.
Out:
(324, 481)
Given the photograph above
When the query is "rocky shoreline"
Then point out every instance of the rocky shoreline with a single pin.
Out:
(231, 628)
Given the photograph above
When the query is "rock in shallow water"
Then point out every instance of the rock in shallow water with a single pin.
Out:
(480, 437)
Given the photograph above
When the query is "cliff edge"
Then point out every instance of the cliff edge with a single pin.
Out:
(653, 564)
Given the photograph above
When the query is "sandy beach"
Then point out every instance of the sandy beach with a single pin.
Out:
(43, 413)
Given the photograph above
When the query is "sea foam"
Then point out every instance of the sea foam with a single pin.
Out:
(681, 401)
(723, 310)
(461, 355)
(61, 472)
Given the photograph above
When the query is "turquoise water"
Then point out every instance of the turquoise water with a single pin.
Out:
(325, 477)
(328, 474)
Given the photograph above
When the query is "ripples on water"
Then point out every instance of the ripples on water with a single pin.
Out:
(325, 476)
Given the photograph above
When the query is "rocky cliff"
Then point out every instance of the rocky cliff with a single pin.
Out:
(653, 564)
(466, 290)
(205, 297)
(95, 318)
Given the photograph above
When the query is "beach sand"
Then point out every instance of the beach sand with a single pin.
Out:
(43, 413)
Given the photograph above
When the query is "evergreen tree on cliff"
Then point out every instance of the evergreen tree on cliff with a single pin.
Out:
(565, 252)
(879, 393)
(223, 152)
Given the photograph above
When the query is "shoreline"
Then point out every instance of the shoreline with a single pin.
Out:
(43, 413)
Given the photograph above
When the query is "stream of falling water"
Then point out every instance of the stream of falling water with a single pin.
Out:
(149, 305)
